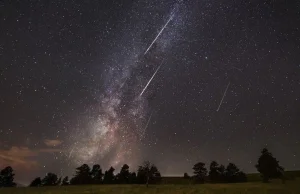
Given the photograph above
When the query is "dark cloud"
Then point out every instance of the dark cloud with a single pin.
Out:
(22, 158)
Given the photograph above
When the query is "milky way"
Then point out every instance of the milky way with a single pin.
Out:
(116, 134)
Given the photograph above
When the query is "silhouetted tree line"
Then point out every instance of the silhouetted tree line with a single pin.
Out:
(217, 173)
(267, 165)
(147, 173)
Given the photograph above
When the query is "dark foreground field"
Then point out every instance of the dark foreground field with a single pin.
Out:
(250, 188)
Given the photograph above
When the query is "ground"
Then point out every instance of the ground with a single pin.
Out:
(275, 187)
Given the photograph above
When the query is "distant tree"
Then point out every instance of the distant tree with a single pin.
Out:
(124, 175)
(148, 174)
(242, 177)
(82, 176)
(58, 181)
(234, 175)
(268, 166)
(37, 182)
(7, 177)
(132, 178)
(221, 171)
(50, 179)
(109, 176)
(231, 172)
(214, 174)
(186, 175)
(65, 181)
(96, 174)
(199, 172)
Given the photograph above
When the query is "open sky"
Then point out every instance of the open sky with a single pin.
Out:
(171, 81)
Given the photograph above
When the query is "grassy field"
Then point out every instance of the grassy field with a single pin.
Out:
(276, 187)
(289, 175)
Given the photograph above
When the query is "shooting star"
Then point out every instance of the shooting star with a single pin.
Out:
(148, 121)
(151, 78)
(233, 67)
(223, 97)
(71, 153)
(159, 34)
(235, 107)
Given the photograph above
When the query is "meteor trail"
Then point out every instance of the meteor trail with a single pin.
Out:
(148, 121)
(223, 97)
(71, 153)
(151, 79)
(159, 34)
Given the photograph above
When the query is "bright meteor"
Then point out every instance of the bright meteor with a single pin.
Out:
(223, 97)
(148, 121)
(151, 79)
(159, 34)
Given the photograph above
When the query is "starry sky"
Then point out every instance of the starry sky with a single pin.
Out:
(171, 81)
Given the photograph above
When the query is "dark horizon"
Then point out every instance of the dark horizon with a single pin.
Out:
(191, 173)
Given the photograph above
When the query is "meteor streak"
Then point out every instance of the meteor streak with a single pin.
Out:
(71, 153)
(148, 121)
(151, 79)
(159, 34)
(223, 97)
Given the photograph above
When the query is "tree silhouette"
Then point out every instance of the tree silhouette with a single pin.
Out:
(82, 175)
(50, 179)
(214, 174)
(109, 176)
(233, 174)
(37, 182)
(221, 171)
(124, 175)
(65, 181)
(132, 178)
(186, 175)
(148, 173)
(268, 166)
(242, 177)
(7, 177)
(58, 181)
(199, 172)
(96, 174)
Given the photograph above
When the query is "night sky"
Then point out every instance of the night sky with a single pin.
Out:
(81, 82)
